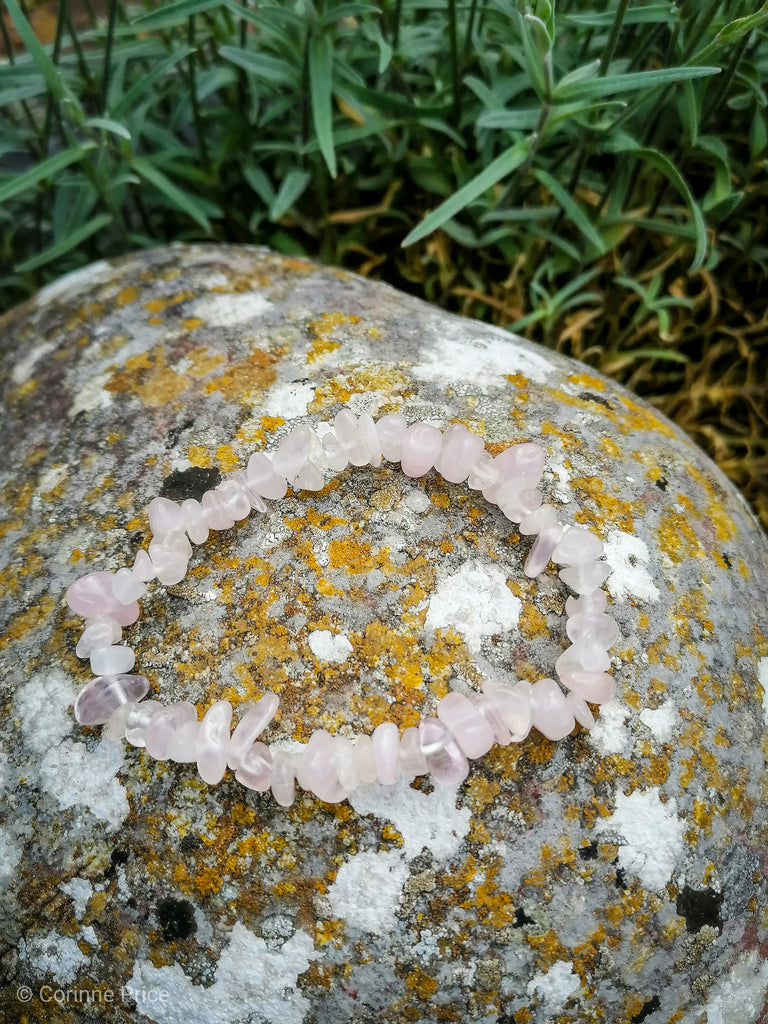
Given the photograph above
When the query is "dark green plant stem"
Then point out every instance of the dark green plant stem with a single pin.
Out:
(396, 28)
(90, 12)
(453, 37)
(49, 102)
(642, 51)
(613, 38)
(243, 25)
(34, 150)
(81, 61)
(202, 147)
(108, 54)
(725, 79)
(699, 27)
(469, 31)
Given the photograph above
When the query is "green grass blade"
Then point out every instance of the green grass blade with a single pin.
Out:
(107, 125)
(610, 84)
(147, 82)
(167, 15)
(268, 69)
(664, 164)
(174, 195)
(46, 66)
(571, 208)
(503, 165)
(46, 169)
(65, 245)
(291, 187)
(320, 82)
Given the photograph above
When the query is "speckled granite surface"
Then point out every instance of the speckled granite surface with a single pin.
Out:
(616, 876)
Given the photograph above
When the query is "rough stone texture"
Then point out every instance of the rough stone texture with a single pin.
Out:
(616, 876)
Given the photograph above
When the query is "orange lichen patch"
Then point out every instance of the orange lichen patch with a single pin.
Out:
(611, 510)
(629, 418)
(421, 983)
(20, 392)
(532, 623)
(566, 438)
(227, 458)
(677, 538)
(159, 305)
(26, 621)
(198, 456)
(586, 380)
(481, 792)
(127, 295)
(247, 379)
(744, 570)
(258, 432)
(517, 379)
(692, 606)
(320, 331)
(202, 362)
(192, 323)
(610, 447)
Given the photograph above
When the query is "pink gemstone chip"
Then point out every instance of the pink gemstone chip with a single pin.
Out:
(91, 596)
(105, 694)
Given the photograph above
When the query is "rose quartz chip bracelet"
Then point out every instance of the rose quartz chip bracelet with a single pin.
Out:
(465, 727)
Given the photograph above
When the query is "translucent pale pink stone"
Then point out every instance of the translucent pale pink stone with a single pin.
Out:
(370, 438)
(101, 632)
(588, 604)
(127, 587)
(518, 504)
(347, 430)
(216, 516)
(309, 478)
(182, 746)
(263, 478)
(194, 521)
(421, 447)
(412, 762)
(91, 596)
(335, 456)
(164, 516)
(344, 763)
(251, 495)
(444, 757)
(316, 770)
(212, 742)
(484, 473)
(542, 519)
(169, 558)
(596, 687)
(599, 629)
(514, 706)
(524, 462)
(541, 552)
(473, 733)
(142, 566)
(255, 769)
(461, 450)
(551, 714)
(492, 715)
(252, 724)
(283, 779)
(577, 546)
(365, 762)
(386, 750)
(138, 719)
(162, 726)
(582, 657)
(391, 429)
(97, 701)
(293, 452)
(579, 709)
(112, 661)
(585, 578)
(233, 498)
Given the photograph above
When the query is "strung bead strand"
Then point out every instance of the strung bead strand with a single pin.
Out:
(463, 727)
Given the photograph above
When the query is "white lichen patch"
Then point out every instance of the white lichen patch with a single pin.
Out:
(628, 556)
(431, 821)
(482, 360)
(80, 890)
(649, 833)
(288, 399)
(329, 647)
(368, 889)
(555, 986)
(64, 769)
(22, 370)
(741, 993)
(52, 478)
(661, 721)
(252, 982)
(476, 602)
(10, 855)
(762, 678)
(610, 734)
(76, 281)
(92, 395)
(54, 954)
(230, 310)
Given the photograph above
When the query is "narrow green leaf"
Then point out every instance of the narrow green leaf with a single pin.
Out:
(48, 69)
(167, 15)
(632, 16)
(107, 125)
(571, 208)
(260, 184)
(320, 82)
(291, 187)
(174, 195)
(65, 245)
(503, 165)
(609, 84)
(512, 120)
(47, 169)
(271, 70)
(145, 82)
(664, 164)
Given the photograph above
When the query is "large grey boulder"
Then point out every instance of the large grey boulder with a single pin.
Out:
(617, 876)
